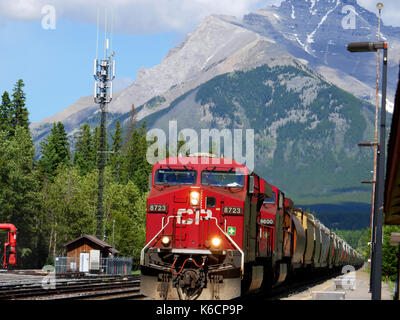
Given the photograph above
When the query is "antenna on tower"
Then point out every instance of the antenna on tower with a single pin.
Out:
(104, 74)
(97, 36)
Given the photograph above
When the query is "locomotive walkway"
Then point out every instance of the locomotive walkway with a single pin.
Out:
(328, 289)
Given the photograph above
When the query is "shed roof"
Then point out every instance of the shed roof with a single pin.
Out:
(95, 240)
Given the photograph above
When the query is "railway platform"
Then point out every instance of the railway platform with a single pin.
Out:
(21, 277)
(352, 286)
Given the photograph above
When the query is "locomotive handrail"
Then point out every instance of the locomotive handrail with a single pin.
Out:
(216, 223)
(148, 244)
(235, 245)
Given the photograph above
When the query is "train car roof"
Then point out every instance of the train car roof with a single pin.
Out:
(289, 203)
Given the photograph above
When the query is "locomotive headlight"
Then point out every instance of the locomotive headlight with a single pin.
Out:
(165, 240)
(194, 198)
(216, 242)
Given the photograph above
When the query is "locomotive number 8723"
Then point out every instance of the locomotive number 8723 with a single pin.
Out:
(215, 230)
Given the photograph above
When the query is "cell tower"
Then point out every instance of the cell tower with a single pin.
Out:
(104, 74)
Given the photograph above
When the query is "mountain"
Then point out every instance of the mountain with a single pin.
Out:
(311, 31)
(283, 72)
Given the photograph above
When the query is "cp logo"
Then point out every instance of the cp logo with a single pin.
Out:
(200, 214)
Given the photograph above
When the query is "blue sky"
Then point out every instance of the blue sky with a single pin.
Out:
(57, 65)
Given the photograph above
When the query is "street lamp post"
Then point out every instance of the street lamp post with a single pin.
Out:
(376, 259)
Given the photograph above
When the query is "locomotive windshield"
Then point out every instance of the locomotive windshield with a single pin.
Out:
(222, 179)
(175, 177)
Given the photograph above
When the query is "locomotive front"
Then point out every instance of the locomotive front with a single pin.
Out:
(194, 230)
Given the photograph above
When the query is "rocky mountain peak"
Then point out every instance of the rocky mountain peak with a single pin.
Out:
(318, 31)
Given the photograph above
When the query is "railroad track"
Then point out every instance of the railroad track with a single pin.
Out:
(99, 288)
(112, 288)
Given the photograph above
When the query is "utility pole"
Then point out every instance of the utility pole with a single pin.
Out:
(104, 73)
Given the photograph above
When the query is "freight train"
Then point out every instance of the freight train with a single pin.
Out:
(216, 230)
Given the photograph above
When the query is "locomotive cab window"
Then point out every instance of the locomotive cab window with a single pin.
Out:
(175, 177)
(271, 200)
(222, 179)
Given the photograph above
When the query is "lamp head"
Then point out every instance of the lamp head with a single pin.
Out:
(366, 46)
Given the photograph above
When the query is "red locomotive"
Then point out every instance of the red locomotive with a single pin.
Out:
(215, 230)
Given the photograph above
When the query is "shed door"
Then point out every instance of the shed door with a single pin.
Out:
(84, 262)
(94, 260)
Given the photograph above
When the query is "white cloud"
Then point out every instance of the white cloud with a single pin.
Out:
(133, 16)
(147, 16)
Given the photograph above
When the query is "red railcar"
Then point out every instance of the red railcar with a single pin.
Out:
(215, 230)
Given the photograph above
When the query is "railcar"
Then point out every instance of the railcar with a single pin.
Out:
(216, 230)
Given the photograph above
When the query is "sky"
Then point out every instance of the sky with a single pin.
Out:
(51, 44)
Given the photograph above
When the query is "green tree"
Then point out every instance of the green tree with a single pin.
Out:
(19, 113)
(389, 253)
(135, 166)
(55, 151)
(62, 143)
(5, 110)
(69, 203)
(85, 150)
(116, 158)
(126, 205)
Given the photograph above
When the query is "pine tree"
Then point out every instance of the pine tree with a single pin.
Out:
(135, 166)
(389, 253)
(5, 109)
(55, 151)
(116, 156)
(63, 143)
(19, 113)
(85, 151)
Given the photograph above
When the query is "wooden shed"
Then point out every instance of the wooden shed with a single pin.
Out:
(86, 244)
